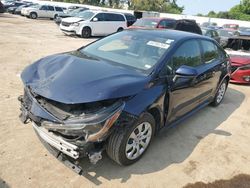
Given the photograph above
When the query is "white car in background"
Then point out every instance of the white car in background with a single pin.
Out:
(42, 11)
(94, 23)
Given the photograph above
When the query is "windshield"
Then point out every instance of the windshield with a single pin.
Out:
(133, 49)
(85, 15)
(244, 29)
(150, 23)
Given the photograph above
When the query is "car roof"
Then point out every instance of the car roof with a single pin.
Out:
(171, 34)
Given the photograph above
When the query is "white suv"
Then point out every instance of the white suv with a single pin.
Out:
(42, 11)
(94, 23)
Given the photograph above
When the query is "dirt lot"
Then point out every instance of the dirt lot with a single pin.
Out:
(214, 144)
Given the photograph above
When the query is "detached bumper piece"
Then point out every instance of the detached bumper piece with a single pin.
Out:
(57, 142)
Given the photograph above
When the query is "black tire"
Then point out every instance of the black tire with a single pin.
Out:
(120, 29)
(219, 96)
(86, 32)
(55, 16)
(33, 15)
(118, 140)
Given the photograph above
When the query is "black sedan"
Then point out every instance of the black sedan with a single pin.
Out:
(117, 92)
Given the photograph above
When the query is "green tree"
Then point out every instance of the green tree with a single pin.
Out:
(156, 5)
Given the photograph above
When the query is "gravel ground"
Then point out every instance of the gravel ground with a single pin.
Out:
(211, 145)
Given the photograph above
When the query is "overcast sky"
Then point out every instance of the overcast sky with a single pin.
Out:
(201, 6)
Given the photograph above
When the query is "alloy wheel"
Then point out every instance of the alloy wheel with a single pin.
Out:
(138, 140)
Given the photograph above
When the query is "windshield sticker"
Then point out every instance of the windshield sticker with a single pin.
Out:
(158, 44)
(169, 41)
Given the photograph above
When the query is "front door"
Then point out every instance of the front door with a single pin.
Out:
(187, 92)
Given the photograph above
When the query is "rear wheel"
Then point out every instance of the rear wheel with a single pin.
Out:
(127, 145)
(220, 93)
(120, 29)
(86, 32)
(33, 15)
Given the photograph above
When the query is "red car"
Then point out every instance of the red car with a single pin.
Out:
(163, 23)
(238, 49)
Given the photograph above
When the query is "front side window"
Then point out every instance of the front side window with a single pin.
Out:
(187, 54)
(101, 17)
(134, 49)
(44, 8)
(210, 51)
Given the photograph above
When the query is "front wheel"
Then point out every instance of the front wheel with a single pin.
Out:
(33, 15)
(220, 93)
(86, 32)
(127, 145)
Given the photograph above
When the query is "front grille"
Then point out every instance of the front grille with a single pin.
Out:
(66, 24)
(234, 68)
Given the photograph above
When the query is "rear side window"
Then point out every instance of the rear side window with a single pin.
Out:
(59, 9)
(210, 51)
(50, 8)
(114, 17)
(187, 54)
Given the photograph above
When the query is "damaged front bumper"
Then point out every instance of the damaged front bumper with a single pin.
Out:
(70, 139)
(57, 142)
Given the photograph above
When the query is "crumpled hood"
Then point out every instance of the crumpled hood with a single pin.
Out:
(72, 19)
(72, 78)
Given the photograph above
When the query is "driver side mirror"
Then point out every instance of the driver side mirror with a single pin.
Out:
(186, 72)
(95, 19)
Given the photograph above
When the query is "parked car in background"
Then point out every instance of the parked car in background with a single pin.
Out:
(2, 9)
(225, 34)
(12, 9)
(94, 23)
(72, 13)
(188, 26)
(117, 92)
(244, 31)
(208, 24)
(212, 33)
(238, 48)
(231, 26)
(19, 9)
(71, 8)
(42, 11)
(162, 23)
(13, 4)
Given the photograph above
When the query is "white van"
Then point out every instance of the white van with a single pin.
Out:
(94, 23)
(42, 11)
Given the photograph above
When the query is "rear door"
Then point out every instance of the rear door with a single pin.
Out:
(114, 22)
(51, 12)
(186, 93)
(213, 64)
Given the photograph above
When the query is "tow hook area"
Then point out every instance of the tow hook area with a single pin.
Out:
(94, 157)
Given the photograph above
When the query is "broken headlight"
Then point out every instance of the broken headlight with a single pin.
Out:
(94, 126)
